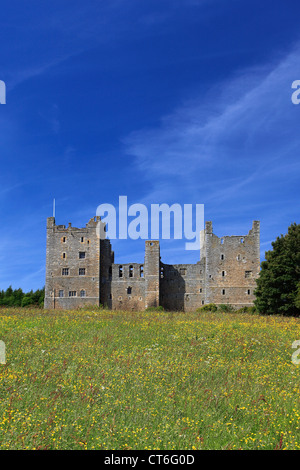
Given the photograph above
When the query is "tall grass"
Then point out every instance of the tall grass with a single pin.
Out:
(155, 380)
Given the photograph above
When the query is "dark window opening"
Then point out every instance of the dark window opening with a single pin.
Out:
(141, 271)
(120, 271)
(81, 271)
(129, 290)
(130, 271)
(81, 254)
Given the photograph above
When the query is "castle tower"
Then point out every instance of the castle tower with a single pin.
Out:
(72, 265)
(152, 273)
(232, 266)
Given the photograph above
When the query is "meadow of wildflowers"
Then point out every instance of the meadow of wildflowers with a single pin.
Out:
(96, 379)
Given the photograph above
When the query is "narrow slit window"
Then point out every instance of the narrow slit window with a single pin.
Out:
(141, 271)
(223, 273)
(120, 271)
(223, 291)
(130, 271)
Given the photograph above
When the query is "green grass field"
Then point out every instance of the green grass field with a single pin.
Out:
(97, 379)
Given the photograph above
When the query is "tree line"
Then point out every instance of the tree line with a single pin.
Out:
(17, 298)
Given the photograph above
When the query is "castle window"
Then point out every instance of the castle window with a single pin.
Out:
(222, 241)
(248, 274)
(242, 240)
(202, 302)
(64, 239)
(82, 239)
(65, 272)
(222, 256)
(82, 293)
(130, 271)
(81, 254)
(72, 293)
(61, 293)
(200, 290)
(64, 255)
(248, 291)
(129, 290)
(81, 271)
(120, 271)
(238, 257)
(223, 291)
(141, 271)
(223, 273)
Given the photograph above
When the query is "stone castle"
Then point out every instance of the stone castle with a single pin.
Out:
(80, 270)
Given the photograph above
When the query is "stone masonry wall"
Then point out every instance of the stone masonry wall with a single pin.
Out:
(80, 270)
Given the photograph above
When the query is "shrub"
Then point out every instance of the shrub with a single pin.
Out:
(225, 308)
(208, 308)
(155, 309)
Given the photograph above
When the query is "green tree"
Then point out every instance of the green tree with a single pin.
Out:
(279, 278)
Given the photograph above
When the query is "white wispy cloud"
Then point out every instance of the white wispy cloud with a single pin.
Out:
(246, 123)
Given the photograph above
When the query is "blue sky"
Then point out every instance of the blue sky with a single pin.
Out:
(162, 101)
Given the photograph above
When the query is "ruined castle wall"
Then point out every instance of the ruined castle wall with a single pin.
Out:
(182, 286)
(127, 287)
(106, 262)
